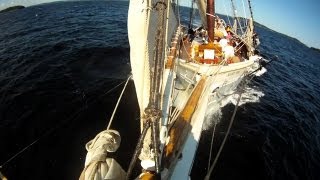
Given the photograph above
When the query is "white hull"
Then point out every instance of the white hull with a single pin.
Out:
(218, 86)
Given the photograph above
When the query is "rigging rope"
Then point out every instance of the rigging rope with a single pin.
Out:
(214, 129)
(230, 124)
(53, 129)
(234, 9)
(236, 17)
(225, 9)
(119, 99)
(245, 13)
(207, 177)
(138, 149)
(191, 14)
(178, 10)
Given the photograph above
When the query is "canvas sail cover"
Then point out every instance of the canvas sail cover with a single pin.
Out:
(142, 29)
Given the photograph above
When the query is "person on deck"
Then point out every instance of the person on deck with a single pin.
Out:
(229, 33)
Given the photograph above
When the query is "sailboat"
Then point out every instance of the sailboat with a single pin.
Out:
(178, 72)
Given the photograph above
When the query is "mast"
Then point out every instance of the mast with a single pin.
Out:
(210, 19)
(249, 2)
(234, 9)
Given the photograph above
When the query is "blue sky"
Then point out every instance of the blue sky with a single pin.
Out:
(296, 18)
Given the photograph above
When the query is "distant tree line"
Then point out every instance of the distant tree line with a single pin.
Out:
(12, 8)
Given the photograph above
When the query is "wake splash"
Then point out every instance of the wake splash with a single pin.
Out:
(250, 95)
(214, 113)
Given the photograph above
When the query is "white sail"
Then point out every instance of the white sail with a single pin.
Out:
(202, 6)
(142, 29)
(138, 28)
(249, 36)
(142, 32)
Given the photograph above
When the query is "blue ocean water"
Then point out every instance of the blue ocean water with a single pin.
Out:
(60, 64)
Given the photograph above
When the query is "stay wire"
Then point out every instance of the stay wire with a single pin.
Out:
(50, 131)
(211, 145)
(119, 99)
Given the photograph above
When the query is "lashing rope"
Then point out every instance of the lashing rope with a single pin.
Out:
(207, 177)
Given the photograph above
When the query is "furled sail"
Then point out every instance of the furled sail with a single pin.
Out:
(249, 36)
(202, 6)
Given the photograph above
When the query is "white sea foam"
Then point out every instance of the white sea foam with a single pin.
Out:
(211, 118)
(214, 114)
(260, 72)
(250, 95)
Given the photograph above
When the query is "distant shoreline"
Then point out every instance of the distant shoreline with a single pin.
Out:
(315, 49)
(12, 8)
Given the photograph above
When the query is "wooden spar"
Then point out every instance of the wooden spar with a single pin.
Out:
(179, 131)
(210, 19)
(249, 2)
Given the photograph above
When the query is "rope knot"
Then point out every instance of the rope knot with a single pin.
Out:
(160, 5)
(152, 113)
